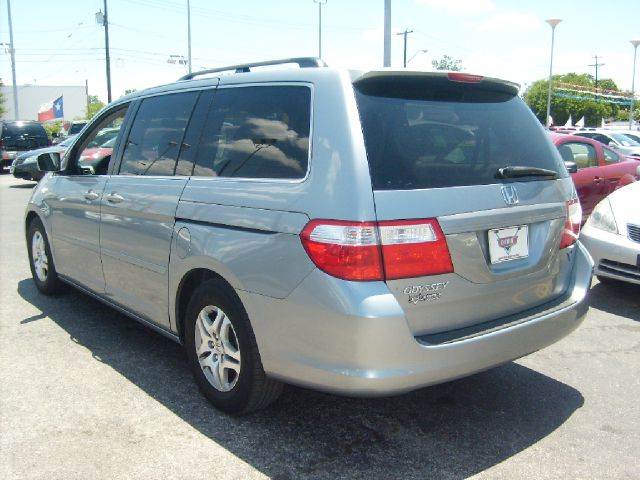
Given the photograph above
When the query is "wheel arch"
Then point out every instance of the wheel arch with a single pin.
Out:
(30, 217)
(188, 284)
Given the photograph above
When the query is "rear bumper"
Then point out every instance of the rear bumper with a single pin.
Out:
(352, 338)
(615, 256)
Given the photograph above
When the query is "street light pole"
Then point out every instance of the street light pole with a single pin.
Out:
(553, 22)
(320, 4)
(415, 55)
(12, 52)
(635, 44)
(386, 62)
(189, 33)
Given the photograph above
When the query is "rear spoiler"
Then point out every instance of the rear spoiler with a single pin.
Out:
(431, 85)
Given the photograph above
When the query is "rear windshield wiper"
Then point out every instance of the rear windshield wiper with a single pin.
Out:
(513, 172)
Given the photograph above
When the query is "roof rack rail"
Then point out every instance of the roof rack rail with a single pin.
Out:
(302, 62)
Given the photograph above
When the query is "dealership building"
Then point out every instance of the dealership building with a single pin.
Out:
(32, 98)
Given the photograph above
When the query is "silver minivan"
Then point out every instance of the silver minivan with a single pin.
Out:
(362, 233)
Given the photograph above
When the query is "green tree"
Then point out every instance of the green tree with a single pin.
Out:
(3, 110)
(562, 106)
(94, 106)
(130, 90)
(53, 128)
(447, 63)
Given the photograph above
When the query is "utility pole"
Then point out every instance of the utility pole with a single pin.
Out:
(188, 33)
(320, 4)
(405, 33)
(86, 96)
(104, 19)
(596, 65)
(387, 34)
(12, 52)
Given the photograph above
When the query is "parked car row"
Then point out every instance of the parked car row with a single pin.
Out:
(596, 169)
(25, 166)
(94, 157)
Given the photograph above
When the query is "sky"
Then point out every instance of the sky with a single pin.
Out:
(59, 42)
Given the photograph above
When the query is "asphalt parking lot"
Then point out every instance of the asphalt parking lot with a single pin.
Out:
(87, 393)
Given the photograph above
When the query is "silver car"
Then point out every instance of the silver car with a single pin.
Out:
(362, 233)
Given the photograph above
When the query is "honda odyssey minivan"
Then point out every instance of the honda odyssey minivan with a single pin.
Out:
(361, 233)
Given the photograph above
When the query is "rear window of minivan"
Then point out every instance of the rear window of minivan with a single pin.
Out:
(432, 133)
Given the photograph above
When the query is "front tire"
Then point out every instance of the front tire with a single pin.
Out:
(222, 351)
(43, 269)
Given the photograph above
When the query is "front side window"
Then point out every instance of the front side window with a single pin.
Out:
(256, 132)
(96, 149)
(155, 139)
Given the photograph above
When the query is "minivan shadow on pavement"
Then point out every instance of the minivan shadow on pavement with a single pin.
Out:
(447, 431)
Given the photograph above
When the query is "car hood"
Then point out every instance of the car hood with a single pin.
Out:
(624, 203)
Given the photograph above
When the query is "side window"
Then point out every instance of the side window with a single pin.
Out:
(583, 154)
(96, 150)
(610, 156)
(156, 135)
(256, 132)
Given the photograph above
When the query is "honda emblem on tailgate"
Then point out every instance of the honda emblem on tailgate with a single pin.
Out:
(510, 194)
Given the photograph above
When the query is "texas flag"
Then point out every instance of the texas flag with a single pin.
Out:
(51, 110)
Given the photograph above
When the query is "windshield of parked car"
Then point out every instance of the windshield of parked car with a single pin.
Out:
(624, 140)
(449, 135)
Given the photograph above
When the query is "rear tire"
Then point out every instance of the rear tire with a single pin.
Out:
(222, 351)
(43, 269)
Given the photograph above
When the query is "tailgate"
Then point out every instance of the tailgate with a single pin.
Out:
(505, 259)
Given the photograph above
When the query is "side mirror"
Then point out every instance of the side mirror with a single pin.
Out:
(49, 162)
(572, 167)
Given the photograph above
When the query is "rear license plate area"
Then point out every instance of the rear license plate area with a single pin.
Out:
(508, 244)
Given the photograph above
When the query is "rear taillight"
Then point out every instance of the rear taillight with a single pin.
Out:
(571, 224)
(377, 250)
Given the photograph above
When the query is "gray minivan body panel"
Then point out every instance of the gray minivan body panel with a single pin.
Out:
(74, 226)
(135, 241)
(365, 346)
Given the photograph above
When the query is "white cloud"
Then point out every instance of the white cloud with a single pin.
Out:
(509, 22)
(470, 7)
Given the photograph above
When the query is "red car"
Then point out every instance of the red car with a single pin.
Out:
(598, 169)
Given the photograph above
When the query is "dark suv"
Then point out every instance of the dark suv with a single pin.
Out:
(20, 136)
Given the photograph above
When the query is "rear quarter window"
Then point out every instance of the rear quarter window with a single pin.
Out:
(256, 132)
(443, 135)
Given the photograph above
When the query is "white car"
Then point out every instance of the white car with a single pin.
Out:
(612, 235)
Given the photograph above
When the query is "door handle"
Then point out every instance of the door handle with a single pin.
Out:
(597, 180)
(91, 195)
(114, 198)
